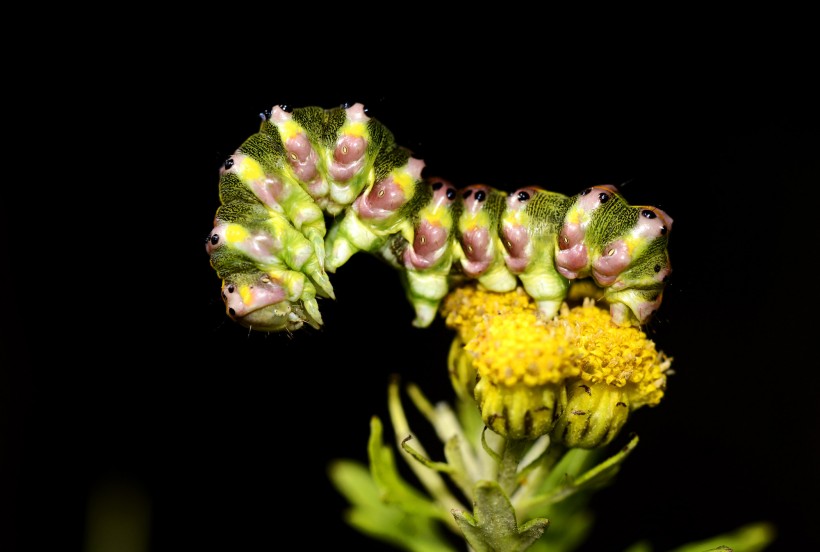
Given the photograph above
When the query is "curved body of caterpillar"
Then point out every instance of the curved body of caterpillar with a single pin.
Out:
(272, 249)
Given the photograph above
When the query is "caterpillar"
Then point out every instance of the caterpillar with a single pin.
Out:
(315, 186)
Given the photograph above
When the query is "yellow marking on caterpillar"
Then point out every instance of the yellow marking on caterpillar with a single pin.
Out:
(235, 233)
(631, 243)
(357, 129)
(404, 181)
(436, 213)
(245, 293)
(517, 217)
(634, 242)
(249, 170)
(470, 221)
(574, 216)
(289, 129)
(280, 225)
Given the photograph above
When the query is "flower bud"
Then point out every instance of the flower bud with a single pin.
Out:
(519, 411)
(592, 415)
(576, 376)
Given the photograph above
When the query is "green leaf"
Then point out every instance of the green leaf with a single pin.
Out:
(603, 472)
(493, 526)
(432, 481)
(393, 489)
(571, 464)
(355, 482)
(390, 510)
(753, 537)
(562, 482)
(405, 532)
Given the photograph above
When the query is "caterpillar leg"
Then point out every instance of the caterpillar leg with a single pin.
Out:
(634, 307)
(548, 289)
(425, 292)
(347, 238)
(498, 279)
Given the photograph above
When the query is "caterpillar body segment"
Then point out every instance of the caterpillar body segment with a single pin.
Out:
(385, 208)
(316, 186)
(431, 250)
(269, 244)
(529, 226)
(335, 153)
(480, 252)
(624, 248)
(274, 191)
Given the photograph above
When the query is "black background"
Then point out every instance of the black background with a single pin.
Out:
(140, 377)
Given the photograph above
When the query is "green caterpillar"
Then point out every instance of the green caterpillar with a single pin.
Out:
(315, 186)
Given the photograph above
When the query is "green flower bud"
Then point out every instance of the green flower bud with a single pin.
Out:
(518, 411)
(592, 415)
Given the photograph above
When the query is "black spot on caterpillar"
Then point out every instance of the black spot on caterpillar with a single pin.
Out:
(314, 186)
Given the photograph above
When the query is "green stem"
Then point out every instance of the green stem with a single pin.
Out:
(514, 450)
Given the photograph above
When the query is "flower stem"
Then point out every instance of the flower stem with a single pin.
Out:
(514, 450)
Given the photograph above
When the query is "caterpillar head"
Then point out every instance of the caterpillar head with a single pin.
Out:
(259, 302)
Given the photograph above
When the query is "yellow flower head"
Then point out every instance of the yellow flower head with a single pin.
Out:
(619, 356)
(579, 370)
(468, 306)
